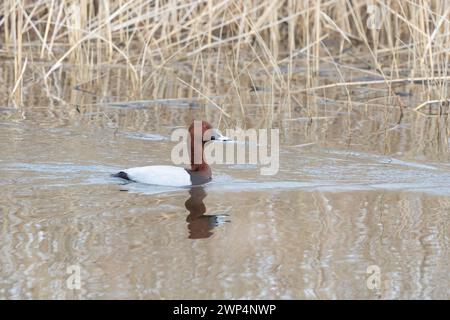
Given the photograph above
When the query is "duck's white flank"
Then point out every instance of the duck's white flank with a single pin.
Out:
(160, 175)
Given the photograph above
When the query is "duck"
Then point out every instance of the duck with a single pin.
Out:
(199, 172)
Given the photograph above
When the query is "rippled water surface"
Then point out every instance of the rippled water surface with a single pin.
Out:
(355, 188)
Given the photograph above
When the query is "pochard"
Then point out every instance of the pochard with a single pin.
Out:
(199, 172)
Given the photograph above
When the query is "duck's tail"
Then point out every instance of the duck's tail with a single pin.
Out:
(122, 175)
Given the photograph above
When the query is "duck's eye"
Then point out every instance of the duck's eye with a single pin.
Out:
(213, 138)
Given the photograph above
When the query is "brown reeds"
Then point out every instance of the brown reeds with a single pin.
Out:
(280, 45)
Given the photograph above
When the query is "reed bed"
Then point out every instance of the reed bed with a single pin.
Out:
(228, 52)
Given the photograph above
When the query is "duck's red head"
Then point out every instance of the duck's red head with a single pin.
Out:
(197, 130)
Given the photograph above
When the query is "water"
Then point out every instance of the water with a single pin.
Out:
(354, 190)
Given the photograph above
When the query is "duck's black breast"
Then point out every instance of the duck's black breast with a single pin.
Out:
(199, 177)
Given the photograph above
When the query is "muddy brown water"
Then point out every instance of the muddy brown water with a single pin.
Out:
(356, 188)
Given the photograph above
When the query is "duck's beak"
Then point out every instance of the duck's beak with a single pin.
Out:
(217, 136)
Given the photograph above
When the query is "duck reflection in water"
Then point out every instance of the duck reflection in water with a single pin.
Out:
(200, 225)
